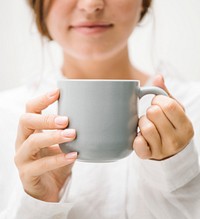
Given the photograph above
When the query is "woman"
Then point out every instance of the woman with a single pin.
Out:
(160, 179)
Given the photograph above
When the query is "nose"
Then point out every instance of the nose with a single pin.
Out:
(91, 6)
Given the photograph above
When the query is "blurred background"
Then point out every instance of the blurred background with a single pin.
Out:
(170, 33)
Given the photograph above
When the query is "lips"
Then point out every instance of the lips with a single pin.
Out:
(91, 27)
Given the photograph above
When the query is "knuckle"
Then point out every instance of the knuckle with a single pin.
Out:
(33, 144)
(28, 105)
(191, 133)
(153, 111)
(23, 118)
(141, 149)
(136, 144)
(42, 102)
(17, 160)
(176, 144)
(48, 120)
(32, 140)
(147, 128)
(190, 130)
(23, 173)
(142, 120)
(171, 106)
(185, 134)
(36, 104)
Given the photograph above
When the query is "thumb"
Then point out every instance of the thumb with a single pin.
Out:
(159, 82)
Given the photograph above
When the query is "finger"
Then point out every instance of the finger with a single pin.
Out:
(141, 147)
(166, 130)
(28, 151)
(41, 122)
(51, 150)
(151, 136)
(30, 122)
(36, 105)
(172, 139)
(46, 164)
(173, 111)
(164, 126)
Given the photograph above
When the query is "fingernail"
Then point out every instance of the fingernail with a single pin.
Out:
(52, 93)
(61, 120)
(68, 133)
(71, 155)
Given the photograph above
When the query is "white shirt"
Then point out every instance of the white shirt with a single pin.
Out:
(126, 189)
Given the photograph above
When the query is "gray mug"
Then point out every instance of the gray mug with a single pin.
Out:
(104, 114)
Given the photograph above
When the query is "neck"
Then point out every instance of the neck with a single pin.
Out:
(117, 67)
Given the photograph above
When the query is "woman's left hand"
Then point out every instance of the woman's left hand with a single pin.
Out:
(165, 130)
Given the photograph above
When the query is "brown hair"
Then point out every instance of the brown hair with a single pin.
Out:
(145, 6)
(40, 14)
(38, 9)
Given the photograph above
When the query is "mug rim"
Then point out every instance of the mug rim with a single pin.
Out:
(98, 80)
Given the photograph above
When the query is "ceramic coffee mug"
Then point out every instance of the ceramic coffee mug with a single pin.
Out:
(104, 114)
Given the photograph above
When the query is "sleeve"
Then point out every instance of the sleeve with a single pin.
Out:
(172, 173)
(24, 206)
(14, 202)
(173, 185)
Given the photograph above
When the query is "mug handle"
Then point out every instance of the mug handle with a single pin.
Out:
(151, 90)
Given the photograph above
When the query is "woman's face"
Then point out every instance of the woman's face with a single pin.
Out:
(92, 29)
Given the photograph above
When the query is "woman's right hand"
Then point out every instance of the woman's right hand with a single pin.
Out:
(42, 167)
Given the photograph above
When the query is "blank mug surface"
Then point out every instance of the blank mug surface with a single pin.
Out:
(104, 114)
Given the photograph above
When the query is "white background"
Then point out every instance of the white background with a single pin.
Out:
(170, 33)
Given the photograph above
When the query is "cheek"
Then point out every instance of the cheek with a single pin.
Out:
(128, 11)
(58, 17)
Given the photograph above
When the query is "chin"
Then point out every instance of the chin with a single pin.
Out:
(90, 54)
(95, 56)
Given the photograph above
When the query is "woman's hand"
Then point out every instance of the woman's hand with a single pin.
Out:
(165, 129)
(43, 168)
